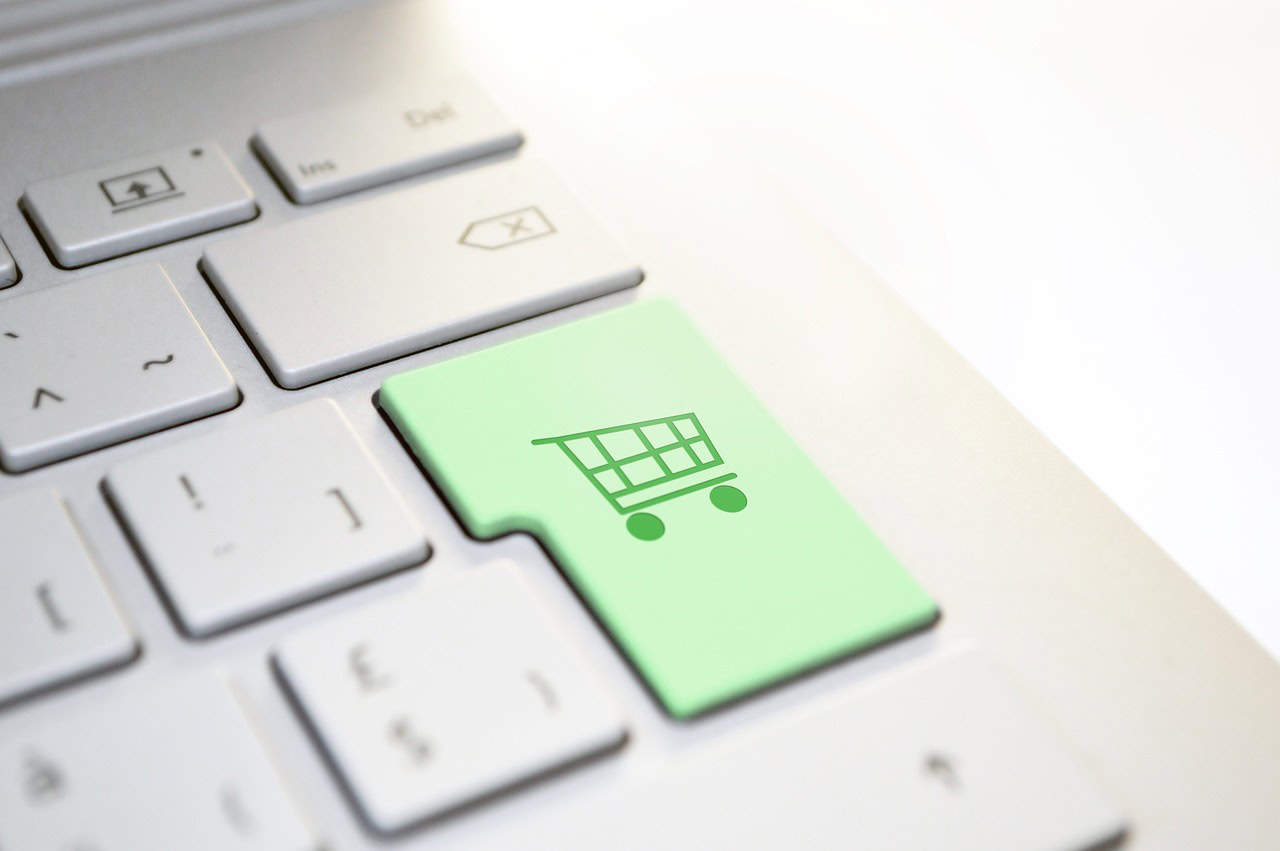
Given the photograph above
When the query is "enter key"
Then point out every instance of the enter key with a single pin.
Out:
(713, 550)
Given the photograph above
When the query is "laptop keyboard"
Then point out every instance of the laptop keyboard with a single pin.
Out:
(717, 557)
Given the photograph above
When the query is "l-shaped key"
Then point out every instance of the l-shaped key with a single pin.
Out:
(715, 552)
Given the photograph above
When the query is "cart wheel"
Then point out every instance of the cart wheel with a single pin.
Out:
(645, 526)
(728, 498)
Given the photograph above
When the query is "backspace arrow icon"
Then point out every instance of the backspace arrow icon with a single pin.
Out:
(507, 229)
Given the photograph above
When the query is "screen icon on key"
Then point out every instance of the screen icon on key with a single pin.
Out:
(137, 188)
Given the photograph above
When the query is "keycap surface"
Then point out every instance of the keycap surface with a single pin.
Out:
(250, 520)
(100, 360)
(716, 553)
(60, 621)
(8, 268)
(385, 137)
(360, 284)
(160, 770)
(947, 754)
(429, 701)
(112, 209)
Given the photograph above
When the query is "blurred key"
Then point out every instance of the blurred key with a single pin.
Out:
(331, 152)
(430, 701)
(947, 754)
(177, 768)
(59, 619)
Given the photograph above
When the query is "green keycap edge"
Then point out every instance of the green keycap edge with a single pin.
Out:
(728, 598)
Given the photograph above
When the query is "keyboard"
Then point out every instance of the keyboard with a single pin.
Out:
(361, 484)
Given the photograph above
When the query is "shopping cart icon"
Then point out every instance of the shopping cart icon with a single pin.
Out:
(639, 465)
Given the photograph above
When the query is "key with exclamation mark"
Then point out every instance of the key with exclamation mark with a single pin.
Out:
(245, 522)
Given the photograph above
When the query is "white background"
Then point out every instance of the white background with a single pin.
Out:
(1081, 197)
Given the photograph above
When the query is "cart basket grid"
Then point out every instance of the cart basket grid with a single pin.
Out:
(643, 463)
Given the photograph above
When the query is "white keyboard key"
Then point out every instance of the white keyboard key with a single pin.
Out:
(331, 152)
(173, 769)
(429, 701)
(947, 755)
(364, 283)
(101, 360)
(132, 204)
(247, 521)
(8, 268)
(60, 621)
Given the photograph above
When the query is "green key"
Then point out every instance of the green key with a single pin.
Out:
(707, 543)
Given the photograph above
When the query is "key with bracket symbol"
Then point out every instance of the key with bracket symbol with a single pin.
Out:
(939, 753)
(471, 709)
(244, 522)
(60, 620)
